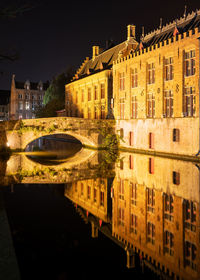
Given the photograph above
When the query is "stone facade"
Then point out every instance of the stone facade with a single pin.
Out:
(25, 98)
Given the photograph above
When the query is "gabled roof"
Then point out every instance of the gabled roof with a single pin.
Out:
(104, 60)
(4, 97)
(33, 85)
(178, 26)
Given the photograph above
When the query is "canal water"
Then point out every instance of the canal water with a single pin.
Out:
(98, 215)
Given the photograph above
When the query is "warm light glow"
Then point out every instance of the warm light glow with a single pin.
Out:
(7, 144)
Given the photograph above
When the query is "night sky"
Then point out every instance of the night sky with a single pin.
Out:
(55, 35)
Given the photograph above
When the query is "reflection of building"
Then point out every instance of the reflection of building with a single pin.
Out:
(155, 212)
(89, 95)
(25, 98)
(4, 105)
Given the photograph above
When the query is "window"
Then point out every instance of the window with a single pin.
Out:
(121, 216)
(89, 113)
(121, 189)
(168, 243)
(103, 112)
(95, 92)
(176, 135)
(190, 255)
(151, 233)
(190, 63)
(82, 188)
(95, 112)
(89, 94)
(27, 96)
(131, 161)
(88, 192)
(102, 91)
(151, 140)
(122, 108)
(150, 105)
(121, 132)
(150, 200)
(151, 165)
(133, 189)
(134, 78)
(151, 73)
(27, 105)
(33, 96)
(102, 198)
(169, 69)
(122, 81)
(189, 102)
(95, 195)
(190, 212)
(131, 138)
(133, 223)
(133, 107)
(76, 97)
(20, 105)
(168, 207)
(168, 104)
(20, 96)
(176, 178)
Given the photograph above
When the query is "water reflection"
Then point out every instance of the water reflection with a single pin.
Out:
(149, 206)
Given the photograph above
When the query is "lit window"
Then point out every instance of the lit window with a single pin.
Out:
(134, 107)
(122, 81)
(190, 63)
(150, 105)
(176, 135)
(151, 73)
(89, 94)
(102, 91)
(190, 215)
(189, 102)
(27, 105)
(134, 78)
(168, 103)
(121, 189)
(168, 207)
(122, 108)
(169, 69)
(95, 92)
(20, 105)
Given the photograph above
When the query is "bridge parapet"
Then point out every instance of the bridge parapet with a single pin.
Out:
(89, 132)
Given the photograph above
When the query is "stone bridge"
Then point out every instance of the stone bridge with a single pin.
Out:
(18, 134)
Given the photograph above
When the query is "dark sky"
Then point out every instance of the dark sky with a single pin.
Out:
(57, 34)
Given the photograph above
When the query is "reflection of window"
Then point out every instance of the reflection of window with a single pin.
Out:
(89, 113)
(150, 200)
(133, 224)
(121, 216)
(102, 91)
(151, 165)
(176, 135)
(88, 192)
(121, 189)
(168, 243)
(95, 112)
(89, 94)
(103, 112)
(190, 255)
(131, 138)
(82, 95)
(168, 207)
(133, 189)
(95, 92)
(151, 233)
(176, 178)
(81, 188)
(95, 195)
(131, 161)
(190, 211)
(102, 198)
(151, 140)
(190, 63)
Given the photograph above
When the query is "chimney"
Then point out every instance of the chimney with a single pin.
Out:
(95, 51)
(131, 31)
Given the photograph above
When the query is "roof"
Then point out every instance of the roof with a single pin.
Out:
(103, 61)
(33, 85)
(4, 97)
(178, 26)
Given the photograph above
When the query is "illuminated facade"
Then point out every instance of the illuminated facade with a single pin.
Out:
(156, 89)
(155, 212)
(25, 98)
(150, 87)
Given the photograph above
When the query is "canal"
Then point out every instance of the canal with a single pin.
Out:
(70, 212)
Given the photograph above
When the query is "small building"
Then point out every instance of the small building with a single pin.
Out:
(25, 98)
(4, 104)
(90, 94)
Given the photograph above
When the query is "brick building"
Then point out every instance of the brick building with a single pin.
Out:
(25, 98)
(150, 86)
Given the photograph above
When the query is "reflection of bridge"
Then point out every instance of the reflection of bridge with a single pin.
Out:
(20, 133)
(21, 169)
